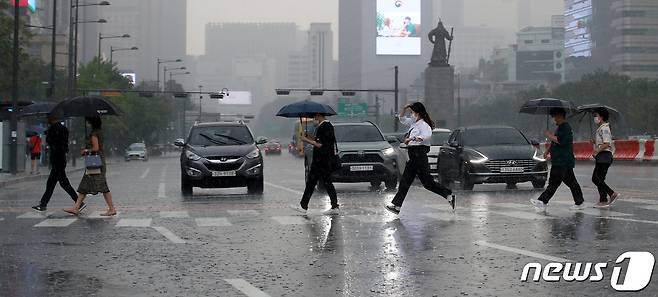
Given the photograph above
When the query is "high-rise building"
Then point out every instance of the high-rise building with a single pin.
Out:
(320, 49)
(540, 53)
(157, 28)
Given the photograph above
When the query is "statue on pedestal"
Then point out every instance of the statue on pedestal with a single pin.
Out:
(438, 37)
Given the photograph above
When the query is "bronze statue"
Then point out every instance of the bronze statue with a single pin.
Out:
(438, 37)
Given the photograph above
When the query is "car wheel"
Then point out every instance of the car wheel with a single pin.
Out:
(391, 184)
(467, 183)
(186, 187)
(538, 184)
(256, 186)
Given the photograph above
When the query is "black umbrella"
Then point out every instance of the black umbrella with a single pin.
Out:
(305, 109)
(544, 105)
(583, 111)
(85, 106)
(37, 109)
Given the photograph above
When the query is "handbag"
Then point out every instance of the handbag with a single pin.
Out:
(93, 162)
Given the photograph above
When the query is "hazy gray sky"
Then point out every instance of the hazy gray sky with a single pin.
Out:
(493, 13)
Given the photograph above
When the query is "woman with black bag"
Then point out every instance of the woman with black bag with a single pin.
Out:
(603, 156)
(94, 180)
(418, 141)
(325, 161)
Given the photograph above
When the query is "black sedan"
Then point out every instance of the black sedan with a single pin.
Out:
(491, 154)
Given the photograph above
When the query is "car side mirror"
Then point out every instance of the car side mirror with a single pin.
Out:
(454, 144)
(261, 141)
(179, 142)
(392, 139)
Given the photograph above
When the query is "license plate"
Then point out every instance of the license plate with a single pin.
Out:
(511, 169)
(433, 166)
(361, 168)
(223, 173)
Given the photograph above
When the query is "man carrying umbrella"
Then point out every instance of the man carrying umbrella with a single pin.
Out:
(562, 161)
(57, 138)
(324, 144)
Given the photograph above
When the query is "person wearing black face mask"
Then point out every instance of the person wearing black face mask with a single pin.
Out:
(324, 152)
(418, 141)
(603, 152)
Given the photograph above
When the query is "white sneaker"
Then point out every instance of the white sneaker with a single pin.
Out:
(298, 208)
(331, 212)
(392, 208)
(577, 207)
(539, 205)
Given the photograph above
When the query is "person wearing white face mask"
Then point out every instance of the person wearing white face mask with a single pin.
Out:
(603, 154)
(418, 141)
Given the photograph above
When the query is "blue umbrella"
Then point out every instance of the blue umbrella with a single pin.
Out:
(305, 109)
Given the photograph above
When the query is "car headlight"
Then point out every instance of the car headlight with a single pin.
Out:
(192, 156)
(389, 151)
(253, 154)
(477, 157)
(538, 156)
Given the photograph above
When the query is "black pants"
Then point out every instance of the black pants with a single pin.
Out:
(559, 175)
(57, 174)
(598, 178)
(319, 172)
(418, 166)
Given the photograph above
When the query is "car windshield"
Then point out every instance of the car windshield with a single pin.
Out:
(357, 133)
(220, 135)
(136, 147)
(493, 136)
(439, 138)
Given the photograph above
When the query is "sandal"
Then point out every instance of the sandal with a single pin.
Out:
(72, 211)
(109, 214)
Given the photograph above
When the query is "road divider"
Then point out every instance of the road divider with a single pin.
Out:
(624, 150)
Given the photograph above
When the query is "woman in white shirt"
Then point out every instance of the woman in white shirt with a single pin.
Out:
(418, 141)
(603, 155)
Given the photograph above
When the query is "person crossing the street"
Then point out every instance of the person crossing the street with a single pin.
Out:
(418, 141)
(603, 157)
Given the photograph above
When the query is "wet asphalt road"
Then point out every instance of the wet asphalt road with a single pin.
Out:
(227, 243)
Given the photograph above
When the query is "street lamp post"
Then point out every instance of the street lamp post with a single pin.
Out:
(200, 97)
(157, 72)
(164, 74)
(13, 123)
(112, 50)
(101, 37)
(184, 109)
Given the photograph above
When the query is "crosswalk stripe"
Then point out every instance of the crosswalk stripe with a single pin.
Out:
(650, 207)
(284, 188)
(639, 200)
(523, 215)
(212, 222)
(146, 173)
(56, 222)
(521, 252)
(174, 214)
(134, 223)
(34, 215)
(169, 235)
(631, 220)
(291, 220)
(368, 219)
(246, 288)
(446, 217)
(97, 215)
(243, 212)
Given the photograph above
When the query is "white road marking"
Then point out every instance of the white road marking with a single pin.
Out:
(521, 252)
(169, 235)
(161, 191)
(284, 188)
(368, 219)
(630, 220)
(291, 220)
(513, 205)
(650, 207)
(212, 222)
(445, 217)
(638, 200)
(523, 215)
(246, 288)
(56, 223)
(373, 209)
(163, 174)
(34, 215)
(134, 223)
(174, 214)
(97, 215)
(146, 173)
(243, 212)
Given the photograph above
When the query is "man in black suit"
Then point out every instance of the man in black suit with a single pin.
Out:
(57, 138)
(324, 154)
